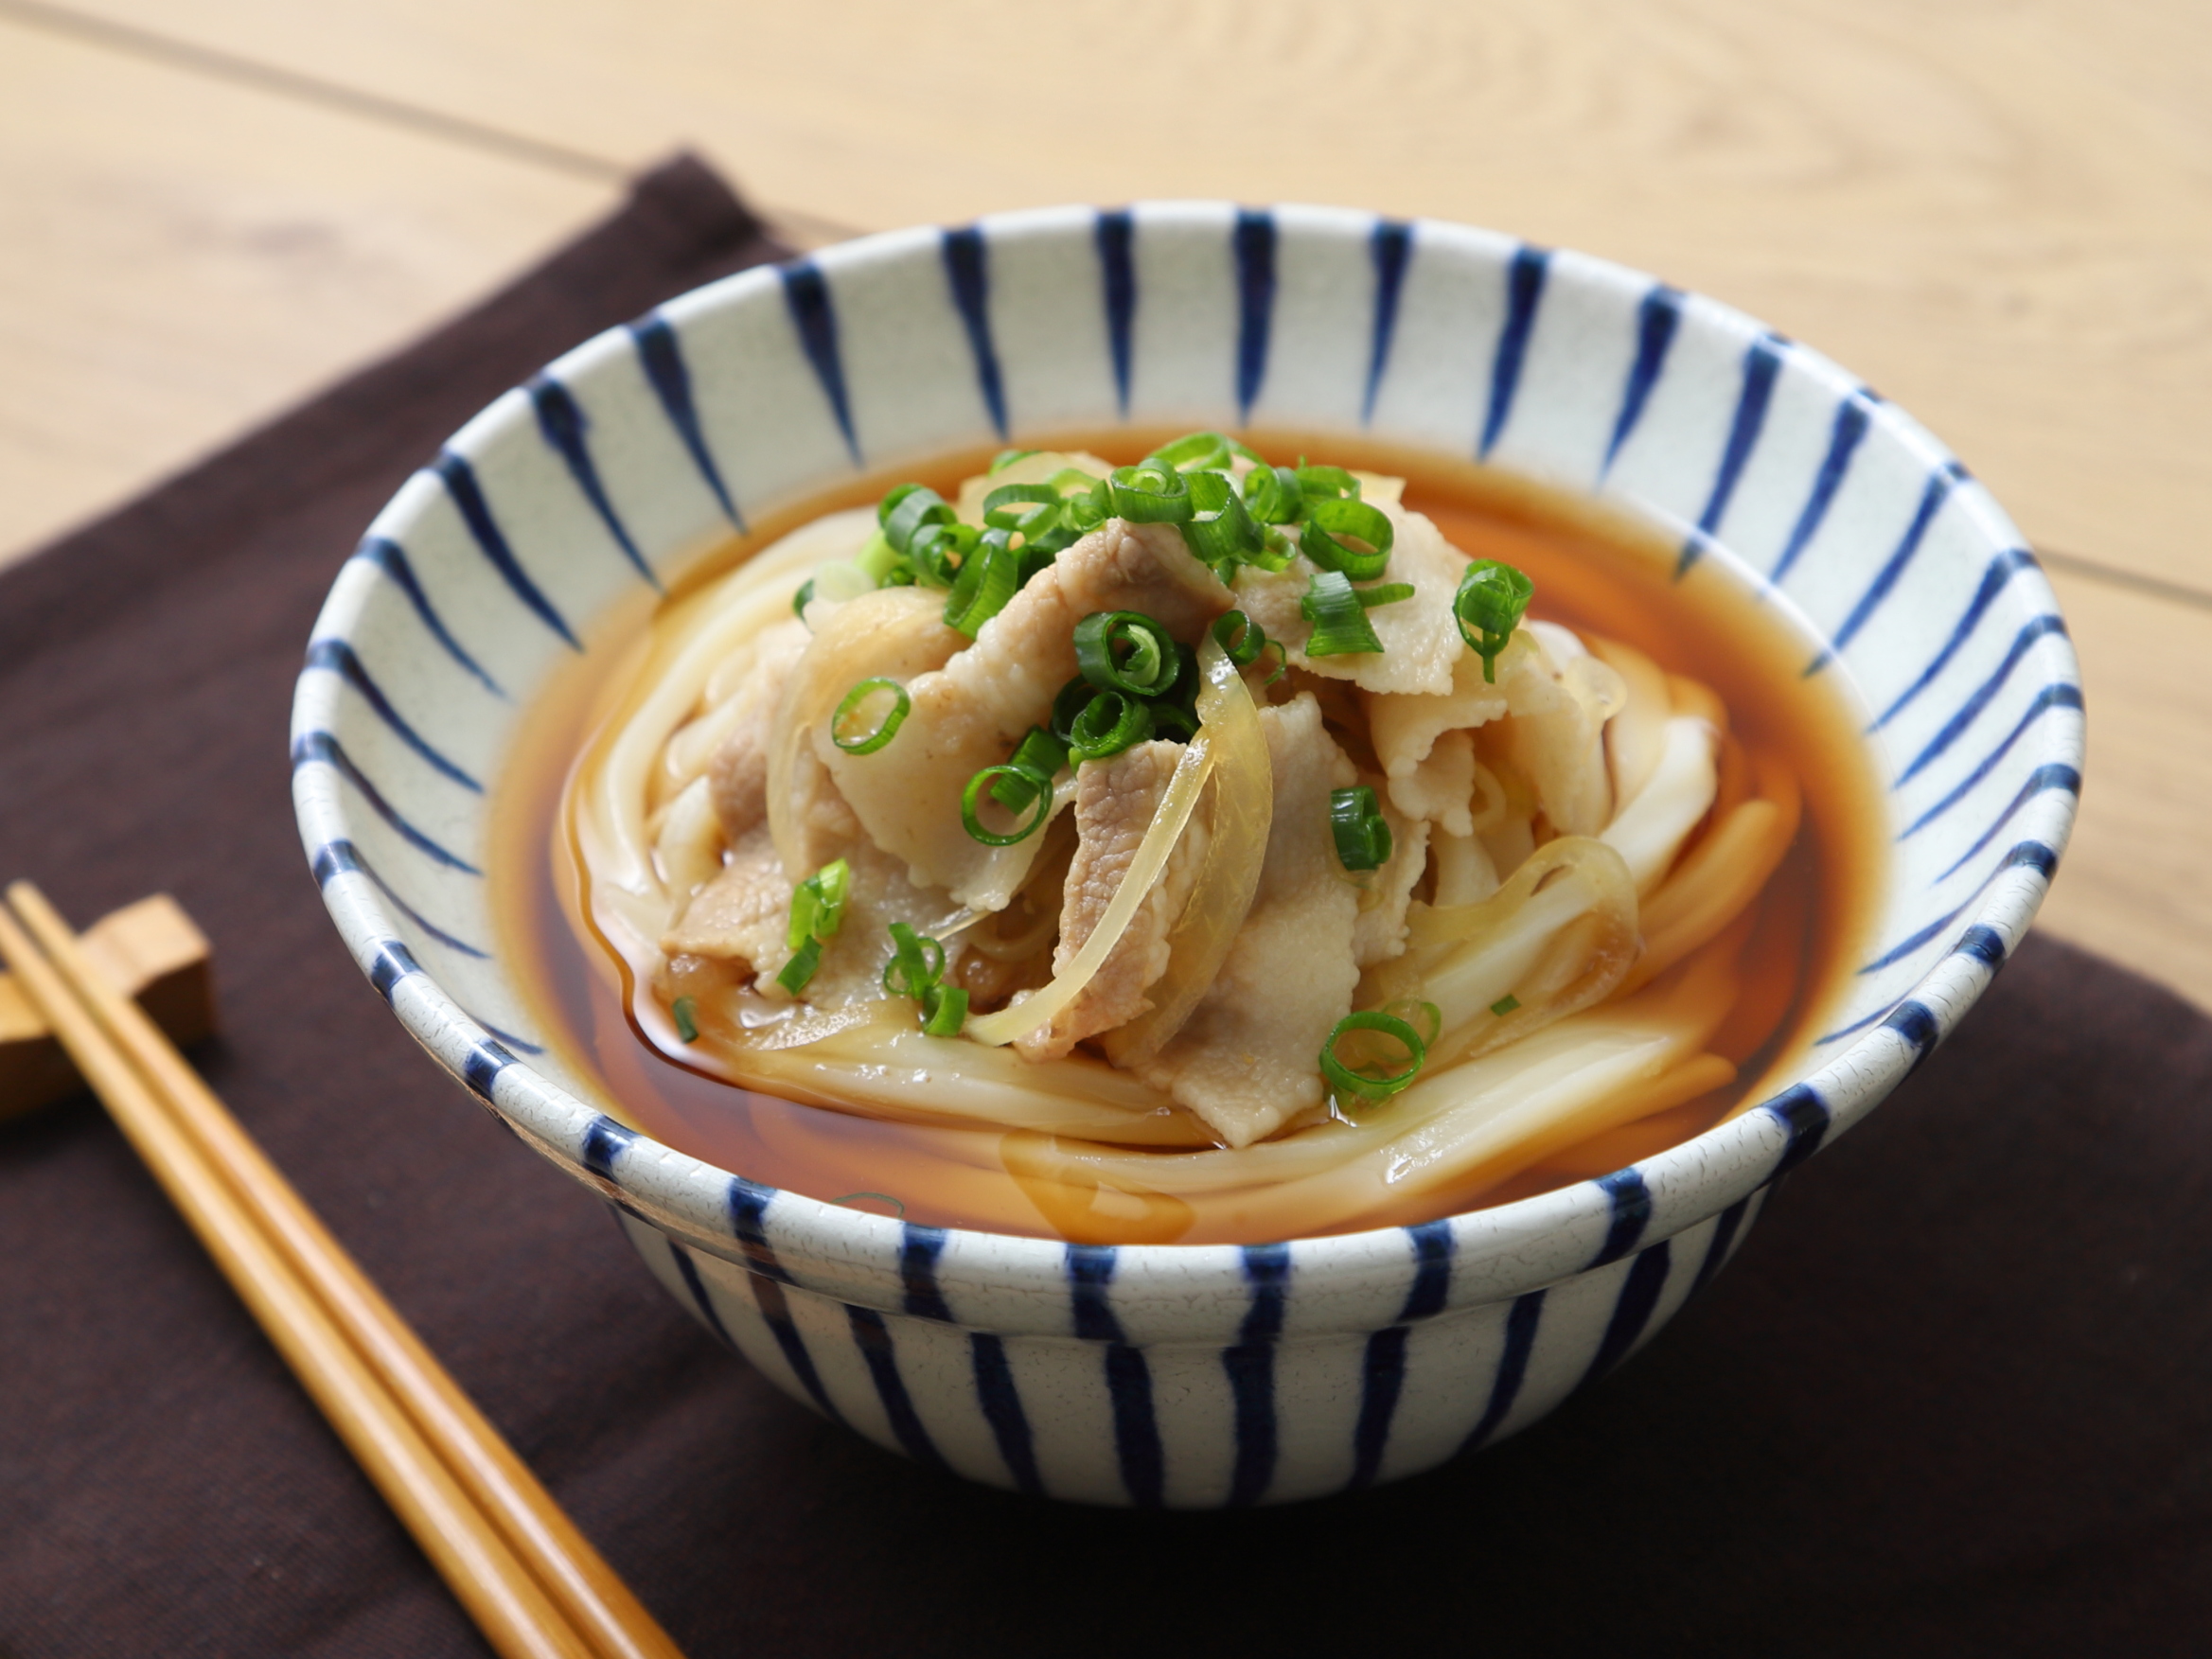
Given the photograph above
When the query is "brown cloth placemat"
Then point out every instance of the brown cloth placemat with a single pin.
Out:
(1953, 1397)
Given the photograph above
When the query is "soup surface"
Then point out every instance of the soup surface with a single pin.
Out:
(1593, 571)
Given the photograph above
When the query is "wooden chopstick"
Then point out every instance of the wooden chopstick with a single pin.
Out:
(533, 1584)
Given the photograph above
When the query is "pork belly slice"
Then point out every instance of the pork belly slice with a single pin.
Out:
(1421, 641)
(1248, 1060)
(970, 713)
(1116, 801)
(742, 915)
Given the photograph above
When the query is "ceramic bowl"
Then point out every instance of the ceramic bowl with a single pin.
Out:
(1185, 1376)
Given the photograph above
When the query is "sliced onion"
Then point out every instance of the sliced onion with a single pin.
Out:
(1168, 824)
(1244, 811)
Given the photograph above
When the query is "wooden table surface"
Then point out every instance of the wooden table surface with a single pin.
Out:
(1997, 211)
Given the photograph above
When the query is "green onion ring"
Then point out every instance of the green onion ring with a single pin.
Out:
(1071, 701)
(1193, 452)
(989, 578)
(1340, 626)
(1149, 495)
(1220, 531)
(1328, 519)
(1005, 507)
(1326, 483)
(1346, 1081)
(1362, 834)
(1113, 722)
(906, 509)
(1148, 668)
(684, 1010)
(915, 972)
(1240, 638)
(883, 734)
(971, 799)
(799, 969)
(1491, 599)
(944, 1010)
(1039, 752)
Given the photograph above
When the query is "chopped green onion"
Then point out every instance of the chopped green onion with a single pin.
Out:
(1355, 522)
(1039, 752)
(1326, 483)
(1220, 531)
(1010, 506)
(990, 578)
(1039, 785)
(803, 598)
(1276, 551)
(1340, 626)
(869, 742)
(1363, 836)
(1384, 594)
(1087, 501)
(1114, 721)
(1193, 452)
(1491, 599)
(1273, 495)
(912, 971)
(1125, 651)
(1006, 458)
(916, 969)
(805, 958)
(908, 507)
(1424, 1018)
(818, 910)
(1149, 494)
(1240, 638)
(938, 552)
(818, 904)
(1371, 1081)
(1251, 643)
(1505, 1005)
(944, 1010)
(686, 1012)
(1072, 700)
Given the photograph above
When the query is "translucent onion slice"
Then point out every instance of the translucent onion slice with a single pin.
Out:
(1176, 808)
(1243, 812)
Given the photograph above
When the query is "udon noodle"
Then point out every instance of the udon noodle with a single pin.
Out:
(1249, 912)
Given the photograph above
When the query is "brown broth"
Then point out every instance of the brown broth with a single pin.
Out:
(1593, 569)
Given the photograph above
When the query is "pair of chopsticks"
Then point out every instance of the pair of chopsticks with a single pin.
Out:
(533, 1583)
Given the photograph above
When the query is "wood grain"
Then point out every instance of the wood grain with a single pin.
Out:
(1997, 211)
(2132, 885)
(179, 258)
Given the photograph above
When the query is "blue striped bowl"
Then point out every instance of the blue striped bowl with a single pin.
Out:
(1190, 1376)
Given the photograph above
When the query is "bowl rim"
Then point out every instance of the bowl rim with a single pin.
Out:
(856, 1255)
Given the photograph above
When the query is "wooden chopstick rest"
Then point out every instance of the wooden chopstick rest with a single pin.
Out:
(150, 952)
